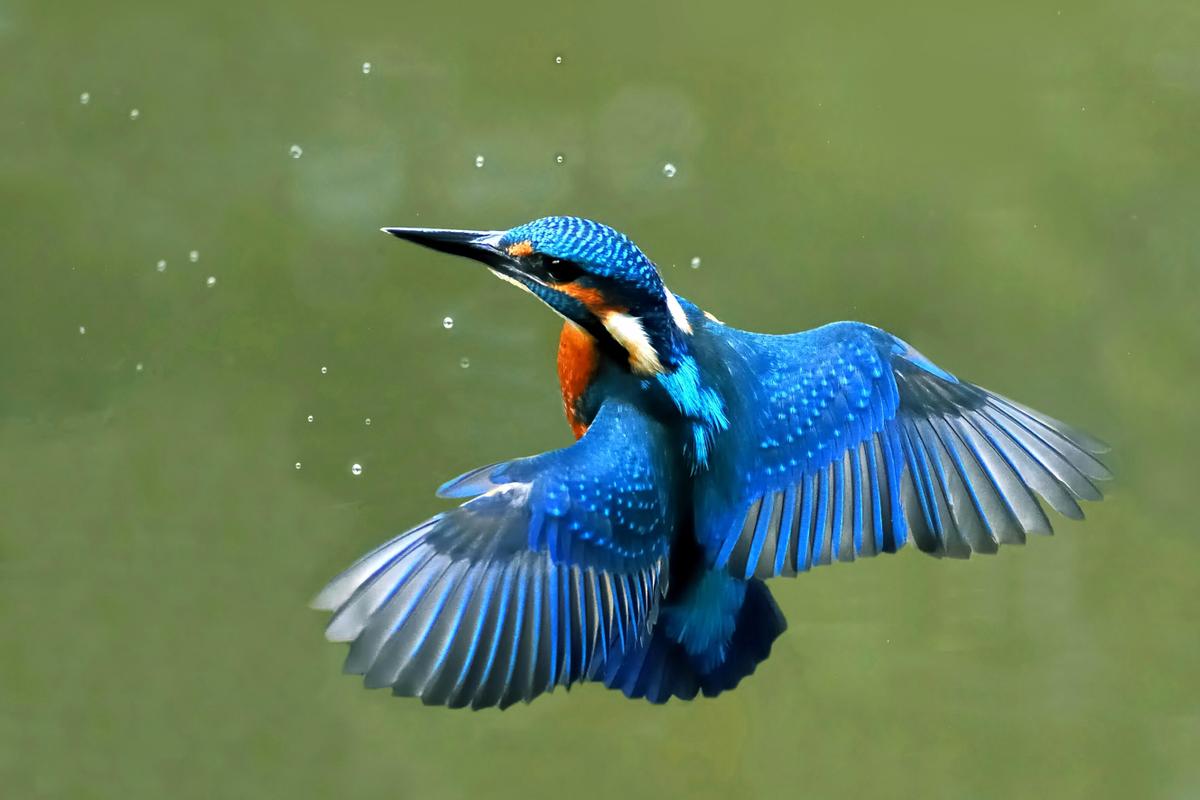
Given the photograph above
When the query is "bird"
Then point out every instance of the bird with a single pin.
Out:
(707, 460)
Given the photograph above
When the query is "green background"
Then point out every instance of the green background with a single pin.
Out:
(1013, 187)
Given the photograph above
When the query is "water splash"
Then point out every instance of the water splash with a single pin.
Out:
(161, 266)
(478, 162)
(85, 98)
(134, 113)
(211, 282)
(448, 323)
(464, 362)
(366, 68)
(559, 158)
(356, 469)
(669, 170)
(194, 256)
(695, 262)
(295, 151)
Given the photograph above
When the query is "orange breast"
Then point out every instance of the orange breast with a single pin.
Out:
(577, 362)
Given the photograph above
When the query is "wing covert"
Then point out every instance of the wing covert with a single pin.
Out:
(848, 442)
(556, 565)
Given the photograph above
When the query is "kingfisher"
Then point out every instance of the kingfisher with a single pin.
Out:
(707, 459)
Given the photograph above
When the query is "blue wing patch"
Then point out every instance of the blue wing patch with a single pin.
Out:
(556, 567)
(850, 442)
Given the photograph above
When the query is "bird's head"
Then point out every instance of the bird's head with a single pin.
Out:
(590, 274)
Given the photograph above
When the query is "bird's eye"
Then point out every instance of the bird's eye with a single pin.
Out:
(559, 271)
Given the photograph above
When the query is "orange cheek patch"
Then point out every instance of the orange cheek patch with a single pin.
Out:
(520, 249)
(592, 298)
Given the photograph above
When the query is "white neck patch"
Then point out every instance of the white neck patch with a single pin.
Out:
(677, 313)
(630, 334)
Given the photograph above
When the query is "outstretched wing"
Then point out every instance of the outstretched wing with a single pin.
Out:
(554, 567)
(845, 440)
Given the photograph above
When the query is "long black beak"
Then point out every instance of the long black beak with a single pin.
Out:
(477, 245)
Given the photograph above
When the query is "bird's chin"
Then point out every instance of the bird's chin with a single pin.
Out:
(509, 277)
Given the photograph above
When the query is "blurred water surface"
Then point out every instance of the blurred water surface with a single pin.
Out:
(1013, 187)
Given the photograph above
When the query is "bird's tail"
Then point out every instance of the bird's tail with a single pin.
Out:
(706, 640)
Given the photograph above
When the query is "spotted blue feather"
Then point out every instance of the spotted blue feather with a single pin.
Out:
(844, 442)
(555, 566)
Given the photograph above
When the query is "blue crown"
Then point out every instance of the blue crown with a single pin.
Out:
(596, 248)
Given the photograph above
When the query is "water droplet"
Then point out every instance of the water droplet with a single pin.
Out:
(695, 262)
(558, 59)
(82, 330)
(478, 162)
(134, 113)
(356, 469)
(310, 417)
(448, 323)
(464, 362)
(324, 370)
(559, 158)
(161, 266)
(295, 151)
(194, 256)
(367, 421)
(139, 366)
(85, 98)
(669, 170)
(366, 68)
(298, 465)
(212, 281)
